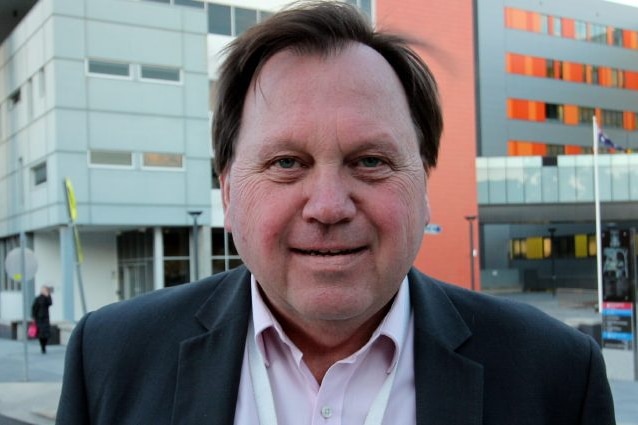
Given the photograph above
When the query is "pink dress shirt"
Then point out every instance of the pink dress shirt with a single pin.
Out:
(349, 386)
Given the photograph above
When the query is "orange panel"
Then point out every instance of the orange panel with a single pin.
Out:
(631, 80)
(539, 149)
(535, 21)
(569, 30)
(626, 39)
(518, 109)
(571, 114)
(450, 27)
(605, 77)
(539, 67)
(576, 72)
(573, 150)
(515, 63)
(517, 19)
(537, 111)
(629, 120)
(610, 35)
(512, 147)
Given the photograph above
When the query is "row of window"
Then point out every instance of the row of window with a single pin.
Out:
(232, 20)
(107, 158)
(570, 28)
(534, 110)
(135, 249)
(533, 148)
(118, 159)
(116, 69)
(541, 247)
(571, 71)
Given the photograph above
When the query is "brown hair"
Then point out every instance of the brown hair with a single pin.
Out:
(321, 27)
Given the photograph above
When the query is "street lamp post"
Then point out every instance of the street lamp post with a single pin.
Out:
(551, 231)
(195, 214)
(470, 219)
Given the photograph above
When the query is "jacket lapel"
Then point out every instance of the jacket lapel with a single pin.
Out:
(449, 386)
(209, 365)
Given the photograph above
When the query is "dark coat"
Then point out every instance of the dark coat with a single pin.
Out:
(40, 313)
(174, 356)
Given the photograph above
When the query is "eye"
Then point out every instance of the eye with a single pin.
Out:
(370, 161)
(286, 162)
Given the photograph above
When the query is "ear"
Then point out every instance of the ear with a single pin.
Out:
(426, 200)
(224, 182)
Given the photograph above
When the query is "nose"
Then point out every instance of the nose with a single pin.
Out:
(329, 198)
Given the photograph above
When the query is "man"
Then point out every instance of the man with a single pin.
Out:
(324, 134)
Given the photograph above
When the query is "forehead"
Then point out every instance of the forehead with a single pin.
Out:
(354, 66)
(355, 82)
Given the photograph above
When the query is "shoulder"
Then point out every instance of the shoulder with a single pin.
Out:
(506, 324)
(170, 309)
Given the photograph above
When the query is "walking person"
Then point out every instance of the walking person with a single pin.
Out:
(40, 313)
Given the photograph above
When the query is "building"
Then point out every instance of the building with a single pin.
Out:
(115, 95)
(545, 69)
(111, 95)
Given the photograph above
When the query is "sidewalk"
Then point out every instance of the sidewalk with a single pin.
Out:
(35, 401)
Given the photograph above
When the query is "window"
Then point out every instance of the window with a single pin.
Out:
(617, 37)
(42, 82)
(191, 3)
(598, 33)
(219, 21)
(14, 99)
(553, 112)
(39, 174)
(6, 245)
(244, 19)
(111, 158)
(160, 73)
(557, 26)
(176, 256)
(554, 69)
(364, 5)
(544, 24)
(585, 115)
(116, 69)
(581, 30)
(224, 254)
(162, 160)
(612, 118)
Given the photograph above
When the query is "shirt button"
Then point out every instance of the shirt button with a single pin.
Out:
(326, 412)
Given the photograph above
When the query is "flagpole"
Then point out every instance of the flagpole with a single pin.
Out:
(599, 274)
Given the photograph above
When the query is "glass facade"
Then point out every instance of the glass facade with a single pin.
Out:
(526, 180)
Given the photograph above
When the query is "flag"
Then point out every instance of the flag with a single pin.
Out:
(605, 141)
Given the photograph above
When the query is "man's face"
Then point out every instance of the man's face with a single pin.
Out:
(326, 196)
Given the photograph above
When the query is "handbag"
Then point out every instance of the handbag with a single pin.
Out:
(32, 330)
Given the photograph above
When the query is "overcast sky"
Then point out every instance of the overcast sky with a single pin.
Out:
(629, 2)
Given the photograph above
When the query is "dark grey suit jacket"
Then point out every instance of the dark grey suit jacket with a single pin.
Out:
(174, 357)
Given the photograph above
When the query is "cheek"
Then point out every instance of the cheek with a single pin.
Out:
(257, 213)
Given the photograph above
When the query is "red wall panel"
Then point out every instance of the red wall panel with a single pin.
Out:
(447, 27)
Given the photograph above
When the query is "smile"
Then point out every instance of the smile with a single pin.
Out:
(328, 252)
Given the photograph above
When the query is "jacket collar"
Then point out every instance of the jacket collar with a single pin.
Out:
(209, 365)
(449, 386)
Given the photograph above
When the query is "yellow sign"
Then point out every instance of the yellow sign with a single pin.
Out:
(70, 197)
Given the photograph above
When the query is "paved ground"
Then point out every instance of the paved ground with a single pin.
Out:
(34, 401)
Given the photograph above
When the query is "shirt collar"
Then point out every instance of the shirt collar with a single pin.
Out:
(394, 325)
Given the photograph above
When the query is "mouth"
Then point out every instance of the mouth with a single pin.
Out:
(327, 252)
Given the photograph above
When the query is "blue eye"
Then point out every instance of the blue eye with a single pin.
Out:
(286, 162)
(370, 162)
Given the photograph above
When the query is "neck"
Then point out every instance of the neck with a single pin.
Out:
(324, 344)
